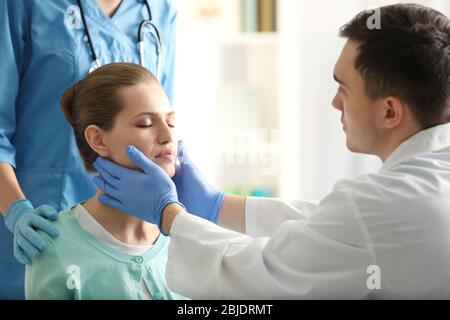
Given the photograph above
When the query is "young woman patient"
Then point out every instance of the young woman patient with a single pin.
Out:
(104, 253)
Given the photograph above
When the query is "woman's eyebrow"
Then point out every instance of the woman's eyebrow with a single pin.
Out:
(167, 114)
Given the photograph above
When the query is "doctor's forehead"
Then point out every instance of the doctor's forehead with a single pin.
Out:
(345, 63)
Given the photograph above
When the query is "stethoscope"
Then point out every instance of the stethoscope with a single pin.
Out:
(155, 33)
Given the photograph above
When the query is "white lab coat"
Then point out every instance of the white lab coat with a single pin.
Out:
(397, 220)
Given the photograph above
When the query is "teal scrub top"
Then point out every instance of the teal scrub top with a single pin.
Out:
(44, 51)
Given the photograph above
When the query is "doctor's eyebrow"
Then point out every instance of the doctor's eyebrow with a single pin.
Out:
(167, 114)
(339, 80)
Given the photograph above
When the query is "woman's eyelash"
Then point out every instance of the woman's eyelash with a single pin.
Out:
(150, 125)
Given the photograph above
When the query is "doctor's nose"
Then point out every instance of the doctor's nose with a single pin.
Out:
(337, 103)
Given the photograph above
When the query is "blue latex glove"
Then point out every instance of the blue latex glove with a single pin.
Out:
(141, 194)
(198, 196)
(23, 221)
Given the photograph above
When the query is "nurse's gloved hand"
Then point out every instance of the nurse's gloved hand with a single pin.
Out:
(141, 194)
(23, 221)
(197, 195)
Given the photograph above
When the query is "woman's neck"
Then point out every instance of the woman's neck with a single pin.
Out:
(122, 226)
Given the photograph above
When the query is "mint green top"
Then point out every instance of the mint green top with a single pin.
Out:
(78, 266)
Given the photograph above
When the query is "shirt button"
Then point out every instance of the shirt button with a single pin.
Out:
(158, 296)
(138, 260)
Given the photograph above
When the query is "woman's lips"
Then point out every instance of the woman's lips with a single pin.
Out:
(166, 155)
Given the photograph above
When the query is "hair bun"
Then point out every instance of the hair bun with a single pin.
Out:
(67, 102)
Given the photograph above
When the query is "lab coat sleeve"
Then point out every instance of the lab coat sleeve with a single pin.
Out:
(325, 256)
(168, 73)
(264, 215)
(13, 34)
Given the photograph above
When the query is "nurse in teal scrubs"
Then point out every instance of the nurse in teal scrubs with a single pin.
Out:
(44, 50)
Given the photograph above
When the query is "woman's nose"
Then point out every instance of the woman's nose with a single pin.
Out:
(165, 134)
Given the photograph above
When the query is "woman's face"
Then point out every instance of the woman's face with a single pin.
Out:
(146, 121)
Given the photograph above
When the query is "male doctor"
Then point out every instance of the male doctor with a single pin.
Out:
(382, 235)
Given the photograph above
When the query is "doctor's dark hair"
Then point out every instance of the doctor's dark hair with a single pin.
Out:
(97, 100)
(408, 57)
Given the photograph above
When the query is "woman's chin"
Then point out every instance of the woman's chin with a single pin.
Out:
(167, 166)
(169, 169)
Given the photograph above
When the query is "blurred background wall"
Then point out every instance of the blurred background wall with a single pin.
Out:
(253, 93)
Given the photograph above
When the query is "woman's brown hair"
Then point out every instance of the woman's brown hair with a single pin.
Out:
(96, 100)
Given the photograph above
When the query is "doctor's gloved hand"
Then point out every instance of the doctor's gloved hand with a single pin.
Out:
(197, 195)
(141, 194)
(23, 221)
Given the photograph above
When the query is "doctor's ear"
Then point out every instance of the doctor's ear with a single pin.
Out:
(94, 136)
(393, 112)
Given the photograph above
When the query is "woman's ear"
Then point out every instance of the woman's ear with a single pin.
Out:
(94, 136)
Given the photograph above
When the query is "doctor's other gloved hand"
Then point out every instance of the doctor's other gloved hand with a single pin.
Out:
(141, 194)
(23, 221)
(197, 195)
